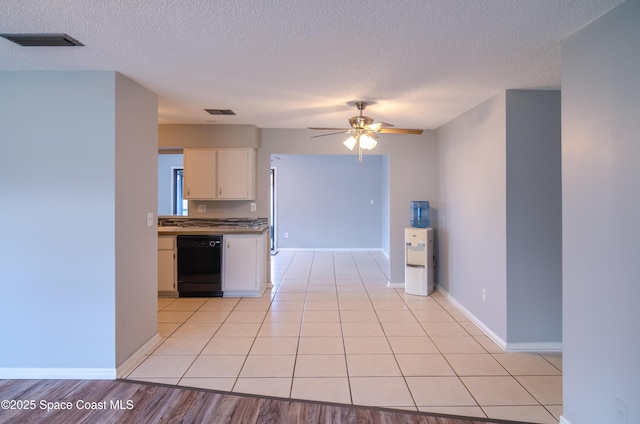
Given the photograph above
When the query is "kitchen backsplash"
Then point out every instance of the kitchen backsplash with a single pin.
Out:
(182, 221)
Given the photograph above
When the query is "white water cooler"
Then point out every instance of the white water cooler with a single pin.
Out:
(418, 254)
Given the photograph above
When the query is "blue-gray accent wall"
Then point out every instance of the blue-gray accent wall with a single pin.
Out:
(325, 201)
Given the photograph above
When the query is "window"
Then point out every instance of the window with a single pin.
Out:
(180, 205)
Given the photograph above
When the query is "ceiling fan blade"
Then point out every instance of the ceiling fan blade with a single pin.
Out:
(377, 126)
(329, 129)
(333, 133)
(400, 131)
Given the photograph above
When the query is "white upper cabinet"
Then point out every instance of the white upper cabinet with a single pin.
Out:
(219, 174)
(236, 173)
(200, 174)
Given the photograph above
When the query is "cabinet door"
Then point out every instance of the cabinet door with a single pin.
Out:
(200, 174)
(240, 263)
(166, 263)
(235, 174)
(166, 270)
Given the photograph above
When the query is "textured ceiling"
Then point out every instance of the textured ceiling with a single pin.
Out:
(296, 63)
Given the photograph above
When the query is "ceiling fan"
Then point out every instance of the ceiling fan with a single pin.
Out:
(364, 130)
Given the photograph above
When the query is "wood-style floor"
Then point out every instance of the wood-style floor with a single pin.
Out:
(119, 401)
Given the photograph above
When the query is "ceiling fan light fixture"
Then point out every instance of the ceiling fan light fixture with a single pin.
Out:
(350, 142)
(365, 131)
(367, 142)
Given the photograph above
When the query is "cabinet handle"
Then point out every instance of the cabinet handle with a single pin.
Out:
(188, 192)
(220, 191)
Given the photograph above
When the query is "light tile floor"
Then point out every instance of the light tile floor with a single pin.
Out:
(330, 330)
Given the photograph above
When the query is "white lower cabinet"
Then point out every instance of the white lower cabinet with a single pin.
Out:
(167, 271)
(245, 265)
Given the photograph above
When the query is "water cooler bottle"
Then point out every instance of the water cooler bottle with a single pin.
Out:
(418, 254)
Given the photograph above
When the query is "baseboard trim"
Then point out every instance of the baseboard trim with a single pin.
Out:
(507, 347)
(493, 336)
(331, 249)
(534, 347)
(82, 373)
(138, 356)
(563, 420)
(58, 373)
(244, 293)
(391, 285)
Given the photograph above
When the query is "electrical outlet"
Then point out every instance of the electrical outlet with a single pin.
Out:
(371, 201)
(253, 206)
(149, 219)
(286, 235)
(484, 294)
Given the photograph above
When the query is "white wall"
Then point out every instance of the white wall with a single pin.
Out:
(601, 230)
(60, 227)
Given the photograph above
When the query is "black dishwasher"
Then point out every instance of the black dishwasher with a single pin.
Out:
(200, 266)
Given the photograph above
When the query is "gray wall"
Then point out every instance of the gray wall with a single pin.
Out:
(62, 137)
(324, 201)
(534, 219)
(499, 217)
(601, 230)
(136, 196)
(472, 212)
(386, 220)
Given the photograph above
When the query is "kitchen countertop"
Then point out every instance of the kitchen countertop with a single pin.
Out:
(179, 225)
(213, 229)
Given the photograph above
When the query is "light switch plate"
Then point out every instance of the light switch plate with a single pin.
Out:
(202, 208)
(149, 219)
(253, 206)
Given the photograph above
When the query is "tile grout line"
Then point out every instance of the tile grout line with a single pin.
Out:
(344, 345)
(295, 360)
(367, 291)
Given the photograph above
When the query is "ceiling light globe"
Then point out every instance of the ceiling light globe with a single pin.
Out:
(350, 142)
(367, 142)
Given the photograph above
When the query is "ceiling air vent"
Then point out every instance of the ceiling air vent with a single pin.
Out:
(220, 111)
(42, 40)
